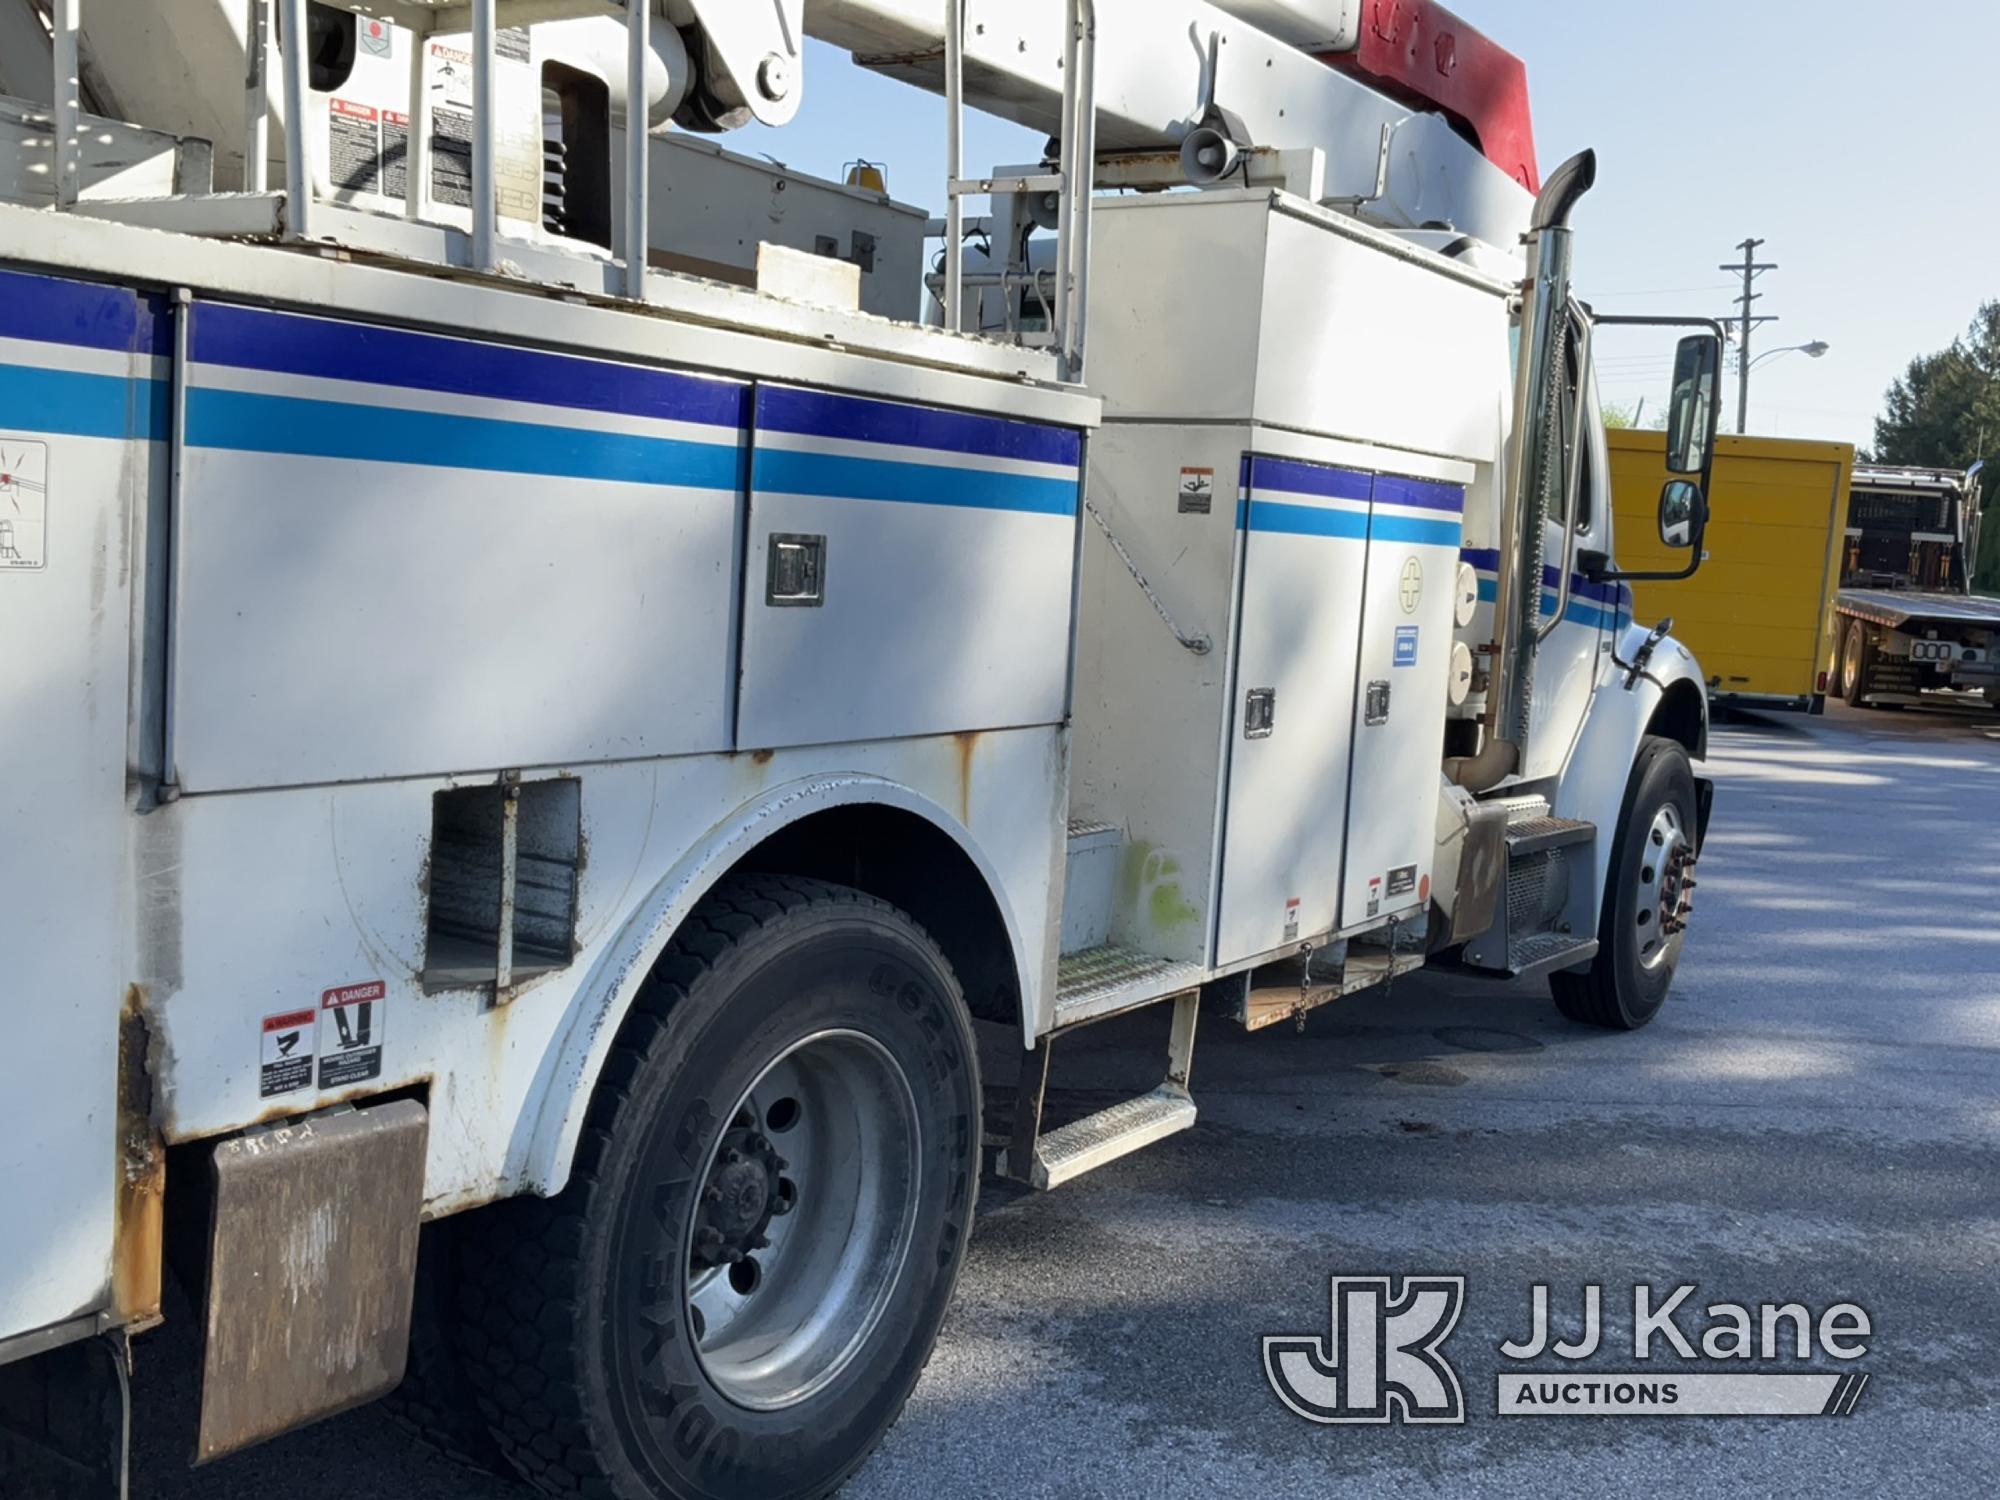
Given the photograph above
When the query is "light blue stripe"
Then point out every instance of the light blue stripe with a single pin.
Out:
(248, 423)
(780, 471)
(1421, 533)
(73, 404)
(1303, 520)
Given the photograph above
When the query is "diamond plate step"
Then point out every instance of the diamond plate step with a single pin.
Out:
(1533, 835)
(1101, 980)
(1126, 1127)
(1546, 952)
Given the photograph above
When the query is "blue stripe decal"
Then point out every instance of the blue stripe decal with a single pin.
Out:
(85, 316)
(1613, 594)
(1578, 613)
(1419, 532)
(1285, 477)
(858, 419)
(1392, 489)
(1303, 520)
(290, 344)
(249, 423)
(76, 405)
(779, 471)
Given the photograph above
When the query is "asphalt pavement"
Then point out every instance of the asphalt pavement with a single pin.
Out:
(1813, 1118)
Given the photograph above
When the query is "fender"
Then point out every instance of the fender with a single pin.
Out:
(568, 1076)
(1593, 783)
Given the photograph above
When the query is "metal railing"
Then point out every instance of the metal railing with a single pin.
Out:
(1073, 181)
(272, 50)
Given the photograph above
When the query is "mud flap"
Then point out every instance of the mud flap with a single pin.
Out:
(312, 1271)
(1704, 804)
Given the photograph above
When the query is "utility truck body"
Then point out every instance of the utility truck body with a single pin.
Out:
(525, 764)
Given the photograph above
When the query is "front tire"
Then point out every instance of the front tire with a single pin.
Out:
(1639, 934)
(746, 1274)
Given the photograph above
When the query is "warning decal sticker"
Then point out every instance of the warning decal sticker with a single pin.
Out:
(1407, 638)
(24, 505)
(350, 1034)
(1197, 495)
(288, 1053)
(1402, 880)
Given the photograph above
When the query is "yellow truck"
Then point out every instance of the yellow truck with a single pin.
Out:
(1760, 615)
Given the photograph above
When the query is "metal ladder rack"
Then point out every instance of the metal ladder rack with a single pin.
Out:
(1072, 181)
(285, 72)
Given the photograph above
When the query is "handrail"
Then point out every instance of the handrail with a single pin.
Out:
(1573, 483)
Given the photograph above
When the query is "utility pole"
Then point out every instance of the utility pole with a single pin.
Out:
(1749, 268)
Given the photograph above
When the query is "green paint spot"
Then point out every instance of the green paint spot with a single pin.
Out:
(1171, 909)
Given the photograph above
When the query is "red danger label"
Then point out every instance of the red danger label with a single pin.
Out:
(290, 1021)
(354, 994)
(354, 111)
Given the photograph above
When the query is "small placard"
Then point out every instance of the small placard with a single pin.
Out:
(1197, 492)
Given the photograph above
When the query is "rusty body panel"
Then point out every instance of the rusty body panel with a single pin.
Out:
(312, 1271)
(142, 1176)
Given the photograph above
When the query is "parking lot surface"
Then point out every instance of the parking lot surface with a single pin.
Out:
(1813, 1118)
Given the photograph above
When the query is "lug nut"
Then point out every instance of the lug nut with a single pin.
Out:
(760, 1242)
(711, 1194)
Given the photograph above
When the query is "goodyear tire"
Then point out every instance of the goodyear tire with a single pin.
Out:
(741, 1283)
(1628, 981)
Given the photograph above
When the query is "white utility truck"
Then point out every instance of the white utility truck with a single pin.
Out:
(548, 675)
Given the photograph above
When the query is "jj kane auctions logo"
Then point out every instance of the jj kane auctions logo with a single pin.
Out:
(1384, 1360)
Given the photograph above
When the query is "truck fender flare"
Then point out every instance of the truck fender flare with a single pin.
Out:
(555, 1114)
(1600, 765)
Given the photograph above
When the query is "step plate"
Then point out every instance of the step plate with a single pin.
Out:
(1546, 952)
(1533, 835)
(1099, 981)
(1109, 1134)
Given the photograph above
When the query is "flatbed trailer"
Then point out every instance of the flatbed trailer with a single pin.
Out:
(1910, 629)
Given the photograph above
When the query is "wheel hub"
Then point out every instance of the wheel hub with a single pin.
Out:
(1665, 896)
(745, 1191)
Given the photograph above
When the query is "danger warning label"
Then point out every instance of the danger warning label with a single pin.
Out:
(288, 1052)
(350, 1034)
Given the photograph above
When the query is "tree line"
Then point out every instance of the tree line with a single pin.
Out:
(1944, 413)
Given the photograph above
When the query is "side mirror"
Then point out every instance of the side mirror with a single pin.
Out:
(1680, 503)
(1694, 411)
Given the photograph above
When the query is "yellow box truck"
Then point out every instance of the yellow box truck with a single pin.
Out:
(1760, 615)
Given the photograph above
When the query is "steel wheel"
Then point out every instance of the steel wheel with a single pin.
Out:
(808, 1204)
(1660, 909)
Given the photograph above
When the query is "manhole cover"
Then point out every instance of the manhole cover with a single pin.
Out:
(1485, 1039)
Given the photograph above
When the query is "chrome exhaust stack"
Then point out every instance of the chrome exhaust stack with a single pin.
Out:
(1534, 479)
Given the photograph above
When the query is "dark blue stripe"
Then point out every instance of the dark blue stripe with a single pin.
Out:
(857, 419)
(287, 343)
(1579, 586)
(1414, 530)
(1393, 489)
(780, 471)
(1286, 477)
(333, 429)
(1303, 520)
(52, 311)
(64, 402)
(1579, 612)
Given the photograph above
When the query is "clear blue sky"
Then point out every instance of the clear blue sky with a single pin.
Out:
(1859, 140)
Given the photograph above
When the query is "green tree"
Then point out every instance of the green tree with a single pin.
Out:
(1944, 413)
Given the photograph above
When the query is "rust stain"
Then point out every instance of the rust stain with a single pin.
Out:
(762, 757)
(140, 1211)
(967, 741)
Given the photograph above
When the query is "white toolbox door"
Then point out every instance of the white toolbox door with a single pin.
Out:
(83, 423)
(1406, 637)
(1304, 532)
(909, 571)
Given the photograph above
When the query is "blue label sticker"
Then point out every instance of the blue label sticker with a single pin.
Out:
(1406, 645)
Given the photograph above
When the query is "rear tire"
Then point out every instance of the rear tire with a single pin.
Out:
(1857, 677)
(1627, 982)
(697, 1316)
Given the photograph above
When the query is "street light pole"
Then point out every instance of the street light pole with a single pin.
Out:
(1749, 269)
